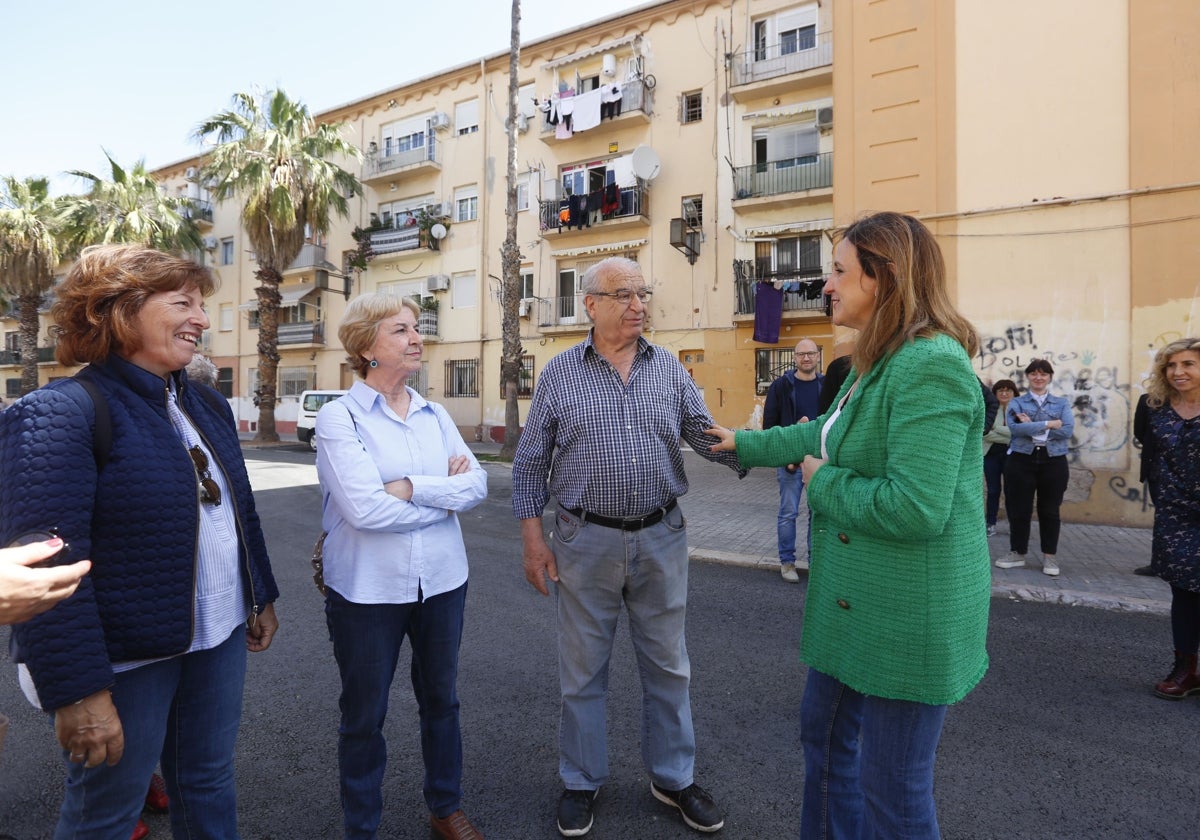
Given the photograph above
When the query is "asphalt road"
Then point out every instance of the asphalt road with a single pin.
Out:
(1062, 739)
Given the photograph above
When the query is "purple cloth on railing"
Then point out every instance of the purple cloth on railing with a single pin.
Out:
(768, 312)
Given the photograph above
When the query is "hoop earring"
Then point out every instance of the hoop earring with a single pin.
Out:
(374, 363)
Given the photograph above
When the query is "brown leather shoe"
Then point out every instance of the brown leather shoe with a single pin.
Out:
(454, 827)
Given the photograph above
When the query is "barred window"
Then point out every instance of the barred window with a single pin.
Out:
(770, 364)
(462, 378)
(691, 107)
(524, 379)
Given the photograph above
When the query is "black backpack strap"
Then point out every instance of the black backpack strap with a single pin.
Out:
(93, 401)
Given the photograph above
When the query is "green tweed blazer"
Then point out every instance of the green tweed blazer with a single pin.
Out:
(900, 579)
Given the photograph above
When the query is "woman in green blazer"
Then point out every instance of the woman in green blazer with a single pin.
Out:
(895, 620)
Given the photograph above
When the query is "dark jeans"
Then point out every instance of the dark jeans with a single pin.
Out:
(366, 643)
(993, 472)
(1024, 477)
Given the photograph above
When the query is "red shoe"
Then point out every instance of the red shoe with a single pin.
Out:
(140, 831)
(156, 797)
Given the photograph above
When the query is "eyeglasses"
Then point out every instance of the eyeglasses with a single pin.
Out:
(210, 491)
(626, 296)
(808, 354)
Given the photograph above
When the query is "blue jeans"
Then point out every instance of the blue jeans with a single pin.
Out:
(868, 764)
(600, 568)
(791, 489)
(185, 709)
(993, 473)
(366, 644)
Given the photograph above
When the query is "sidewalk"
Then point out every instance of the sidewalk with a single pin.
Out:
(731, 521)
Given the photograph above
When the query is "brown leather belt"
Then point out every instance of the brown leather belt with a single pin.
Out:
(631, 523)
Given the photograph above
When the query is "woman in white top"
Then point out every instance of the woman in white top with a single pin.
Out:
(394, 474)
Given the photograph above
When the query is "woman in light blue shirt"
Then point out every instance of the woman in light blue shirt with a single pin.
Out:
(394, 474)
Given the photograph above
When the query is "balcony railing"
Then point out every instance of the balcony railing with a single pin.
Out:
(379, 163)
(793, 55)
(303, 332)
(310, 256)
(811, 172)
(392, 240)
(198, 209)
(801, 289)
(635, 97)
(13, 357)
(567, 212)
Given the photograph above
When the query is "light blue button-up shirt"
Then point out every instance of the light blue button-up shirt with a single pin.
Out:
(380, 549)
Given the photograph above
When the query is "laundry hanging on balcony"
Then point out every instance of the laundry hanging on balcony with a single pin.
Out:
(768, 312)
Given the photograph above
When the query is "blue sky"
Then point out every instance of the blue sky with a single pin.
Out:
(135, 77)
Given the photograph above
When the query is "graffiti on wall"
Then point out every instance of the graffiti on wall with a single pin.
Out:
(1099, 393)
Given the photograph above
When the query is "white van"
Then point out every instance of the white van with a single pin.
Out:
(306, 416)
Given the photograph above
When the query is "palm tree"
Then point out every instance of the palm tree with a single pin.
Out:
(130, 208)
(510, 260)
(29, 252)
(275, 157)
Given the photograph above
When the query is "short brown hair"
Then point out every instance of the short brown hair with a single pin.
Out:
(360, 325)
(97, 304)
(1006, 383)
(1042, 365)
(901, 255)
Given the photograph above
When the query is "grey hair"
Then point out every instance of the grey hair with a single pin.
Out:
(589, 284)
(201, 369)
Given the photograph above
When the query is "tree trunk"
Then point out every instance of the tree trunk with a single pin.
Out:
(27, 306)
(268, 352)
(510, 261)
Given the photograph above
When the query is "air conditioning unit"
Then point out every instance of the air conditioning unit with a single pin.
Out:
(210, 243)
(439, 120)
(446, 208)
(190, 174)
(825, 117)
(522, 123)
(524, 307)
(437, 283)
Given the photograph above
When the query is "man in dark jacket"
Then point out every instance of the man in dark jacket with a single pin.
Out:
(793, 398)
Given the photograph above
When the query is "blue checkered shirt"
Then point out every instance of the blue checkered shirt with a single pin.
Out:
(608, 446)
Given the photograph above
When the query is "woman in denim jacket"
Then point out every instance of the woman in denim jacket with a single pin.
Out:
(1041, 426)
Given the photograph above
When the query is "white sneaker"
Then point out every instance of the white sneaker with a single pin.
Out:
(991, 530)
(788, 572)
(1049, 567)
(1012, 560)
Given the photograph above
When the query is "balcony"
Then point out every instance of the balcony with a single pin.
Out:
(394, 240)
(801, 288)
(302, 332)
(785, 65)
(558, 314)
(383, 165)
(799, 179)
(199, 211)
(310, 257)
(565, 215)
(13, 357)
(636, 106)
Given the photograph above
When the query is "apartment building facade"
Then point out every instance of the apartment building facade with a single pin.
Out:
(717, 143)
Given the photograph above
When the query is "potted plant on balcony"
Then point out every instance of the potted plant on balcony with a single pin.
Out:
(426, 218)
(427, 323)
(363, 253)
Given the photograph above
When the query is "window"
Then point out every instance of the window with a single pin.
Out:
(293, 381)
(786, 33)
(12, 388)
(464, 291)
(225, 382)
(522, 194)
(692, 210)
(12, 342)
(789, 257)
(769, 364)
(225, 317)
(525, 95)
(526, 284)
(402, 288)
(227, 251)
(524, 379)
(407, 135)
(466, 204)
(462, 378)
(402, 212)
(251, 382)
(466, 117)
(691, 107)
(786, 145)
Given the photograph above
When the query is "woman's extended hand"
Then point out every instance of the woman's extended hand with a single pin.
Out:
(90, 730)
(25, 592)
(726, 439)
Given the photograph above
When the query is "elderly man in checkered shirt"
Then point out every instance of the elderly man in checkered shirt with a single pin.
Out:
(603, 437)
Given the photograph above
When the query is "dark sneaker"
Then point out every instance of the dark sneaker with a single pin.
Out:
(697, 807)
(575, 812)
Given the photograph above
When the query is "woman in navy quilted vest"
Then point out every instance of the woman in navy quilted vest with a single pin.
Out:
(141, 473)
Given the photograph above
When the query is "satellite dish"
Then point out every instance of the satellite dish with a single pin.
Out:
(438, 231)
(645, 163)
